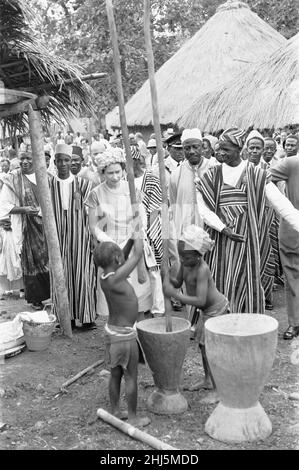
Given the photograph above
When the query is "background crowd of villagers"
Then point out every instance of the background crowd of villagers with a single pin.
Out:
(83, 175)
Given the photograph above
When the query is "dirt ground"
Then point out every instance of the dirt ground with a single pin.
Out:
(35, 416)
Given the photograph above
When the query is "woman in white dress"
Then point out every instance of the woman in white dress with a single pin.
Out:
(111, 219)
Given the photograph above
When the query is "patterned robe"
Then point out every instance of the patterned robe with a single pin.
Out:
(20, 191)
(75, 246)
(152, 200)
(238, 268)
(273, 271)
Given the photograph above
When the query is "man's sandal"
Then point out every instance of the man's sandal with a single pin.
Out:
(291, 332)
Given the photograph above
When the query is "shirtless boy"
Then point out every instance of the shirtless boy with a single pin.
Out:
(121, 338)
(201, 291)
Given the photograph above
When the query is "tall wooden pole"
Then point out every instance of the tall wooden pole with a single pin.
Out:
(162, 174)
(89, 137)
(123, 121)
(36, 135)
(121, 103)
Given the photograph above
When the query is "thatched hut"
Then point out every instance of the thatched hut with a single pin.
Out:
(26, 65)
(265, 96)
(233, 38)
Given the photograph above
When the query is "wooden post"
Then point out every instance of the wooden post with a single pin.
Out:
(156, 120)
(16, 144)
(89, 137)
(16, 108)
(125, 133)
(36, 135)
(61, 83)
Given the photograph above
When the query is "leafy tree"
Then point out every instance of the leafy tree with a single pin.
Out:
(78, 30)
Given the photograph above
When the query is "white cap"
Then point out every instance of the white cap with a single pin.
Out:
(212, 139)
(191, 134)
(196, 238)
(64, 148)
(151, 143)
(98, 146)
(254, 134)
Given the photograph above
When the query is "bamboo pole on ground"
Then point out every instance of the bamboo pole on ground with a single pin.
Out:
(132, 431)
(80, 374)
(125, 133)
(162, 174)
(36, 135)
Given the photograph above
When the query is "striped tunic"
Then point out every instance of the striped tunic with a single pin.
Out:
(20, 190)
(152, 200)
(75, 246)
(238, 268)
(273, 271)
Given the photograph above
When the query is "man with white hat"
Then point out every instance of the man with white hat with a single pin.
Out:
(182, 182)
(182, 195)
(68, 193)
(152, 148)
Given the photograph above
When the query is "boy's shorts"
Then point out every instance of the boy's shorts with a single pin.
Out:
(120, 345)
(221, 308)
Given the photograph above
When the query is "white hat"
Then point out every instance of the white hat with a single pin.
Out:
(98, 146)
(151, 144)
(196, 238)
(64, 148)
(191, 134)
(114, 139)
(170, 131)
(213, 140)
(254, 134)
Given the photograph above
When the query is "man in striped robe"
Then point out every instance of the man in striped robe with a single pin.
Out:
(68, 193)
(255, 144)
(20, 208)
(236, 192)
(149, 185)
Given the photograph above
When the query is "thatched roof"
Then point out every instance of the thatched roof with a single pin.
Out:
(265, 96)
(26, 64)
(233, 38)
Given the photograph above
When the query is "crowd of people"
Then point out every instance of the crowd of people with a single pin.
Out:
(239, 189)
(88, 186)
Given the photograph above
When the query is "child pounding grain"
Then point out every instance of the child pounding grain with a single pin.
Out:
(122, 351)
(201, 292)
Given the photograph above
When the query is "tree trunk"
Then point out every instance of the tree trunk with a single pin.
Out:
(36, 135)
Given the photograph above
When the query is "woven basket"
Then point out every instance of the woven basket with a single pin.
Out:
(38, 335)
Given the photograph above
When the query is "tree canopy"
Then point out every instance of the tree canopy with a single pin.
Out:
(78, 30)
